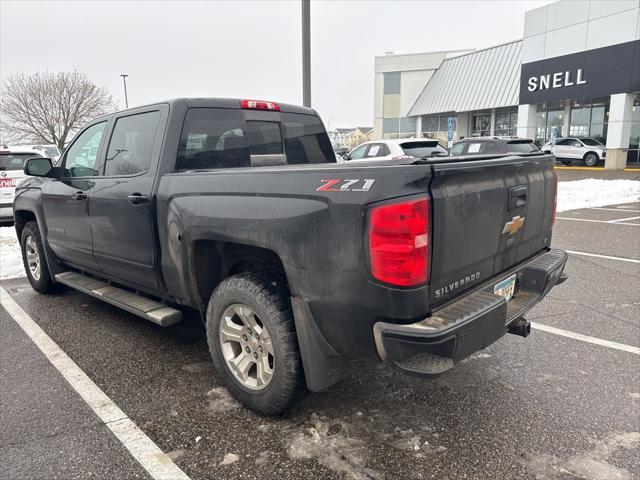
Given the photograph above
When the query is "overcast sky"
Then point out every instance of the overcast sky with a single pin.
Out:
(244, 49)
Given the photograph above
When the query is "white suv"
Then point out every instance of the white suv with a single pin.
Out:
(568, 149)
(12, 161)
(396, 149)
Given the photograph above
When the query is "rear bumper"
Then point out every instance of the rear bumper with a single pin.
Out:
(471, 323)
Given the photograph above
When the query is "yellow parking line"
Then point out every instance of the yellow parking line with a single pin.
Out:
(579, 168)
(594, 168)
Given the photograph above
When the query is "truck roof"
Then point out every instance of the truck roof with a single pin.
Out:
(231, 103)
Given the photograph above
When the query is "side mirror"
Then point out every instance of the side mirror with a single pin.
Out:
(39, 167)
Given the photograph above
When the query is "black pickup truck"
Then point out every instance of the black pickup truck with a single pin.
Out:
(236, 208)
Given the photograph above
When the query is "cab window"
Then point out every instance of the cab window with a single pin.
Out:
(131, 143)
(81, 157)
(226, 138)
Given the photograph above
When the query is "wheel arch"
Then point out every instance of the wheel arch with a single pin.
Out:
(212, 261)
(21, 218)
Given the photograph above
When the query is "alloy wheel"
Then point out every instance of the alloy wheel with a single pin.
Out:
(246, 347)
(33, 257)
(591, 159)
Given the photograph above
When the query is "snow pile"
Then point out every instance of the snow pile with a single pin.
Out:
(10, 256)
(596, 193)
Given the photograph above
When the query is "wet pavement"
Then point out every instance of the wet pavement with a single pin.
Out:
(547, 407)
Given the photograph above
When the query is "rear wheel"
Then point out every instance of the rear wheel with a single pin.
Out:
(591, 159)
(33, 259)
(253, 344)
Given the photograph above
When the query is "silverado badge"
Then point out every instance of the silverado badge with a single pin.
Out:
(514, 225)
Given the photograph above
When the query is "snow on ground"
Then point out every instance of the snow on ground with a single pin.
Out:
(571, 195)
(10, 257)
(596, 193)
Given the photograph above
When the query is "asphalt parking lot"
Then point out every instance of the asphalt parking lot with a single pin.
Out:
(552, 406)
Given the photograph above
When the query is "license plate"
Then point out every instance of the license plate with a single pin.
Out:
(7, 182)
(506, 287)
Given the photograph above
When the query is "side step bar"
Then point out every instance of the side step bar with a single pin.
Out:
(144, 307)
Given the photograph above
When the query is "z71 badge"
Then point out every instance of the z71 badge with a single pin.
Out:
(346, 185)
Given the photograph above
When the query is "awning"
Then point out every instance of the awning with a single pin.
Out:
(485, 79)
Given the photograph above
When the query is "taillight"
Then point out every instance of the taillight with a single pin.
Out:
(399, 242)
(555, 197)
(259, 105)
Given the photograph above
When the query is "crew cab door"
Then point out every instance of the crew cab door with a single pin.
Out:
(121, 207)
(65, 200)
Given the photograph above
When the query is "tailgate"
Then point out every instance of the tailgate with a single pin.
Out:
(488, 215)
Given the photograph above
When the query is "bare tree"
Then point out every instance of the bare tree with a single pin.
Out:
(50, 107)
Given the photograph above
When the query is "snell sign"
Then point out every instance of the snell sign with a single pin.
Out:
(555, 80)
(596, 73)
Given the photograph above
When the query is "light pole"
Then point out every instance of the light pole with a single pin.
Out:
(124, 81)
(306, 53)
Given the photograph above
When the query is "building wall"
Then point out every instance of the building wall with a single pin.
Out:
(415, 70)
(571, 27)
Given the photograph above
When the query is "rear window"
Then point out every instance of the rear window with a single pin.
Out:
(419, 149)
(15, 161)
(522, 147)
(591, 142)
(225, 138)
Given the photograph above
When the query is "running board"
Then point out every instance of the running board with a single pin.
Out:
(144, 307)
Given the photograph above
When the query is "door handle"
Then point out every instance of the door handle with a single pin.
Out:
(79, 196)
(517, 197)
(137, 198)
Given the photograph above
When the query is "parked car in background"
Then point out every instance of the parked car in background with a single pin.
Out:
(568, 149)
(51, 151)
(493, 145)
(12, 161)
(396, 149)
(340, 154)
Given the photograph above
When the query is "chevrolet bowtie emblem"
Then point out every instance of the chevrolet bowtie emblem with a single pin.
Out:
(514, 225)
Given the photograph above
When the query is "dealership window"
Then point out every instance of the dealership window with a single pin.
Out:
(437, 126)
(391, 83)
(507, 122)
(590, 118)
(401, 127)
(633, 154)
(481, 126)
(548, 116)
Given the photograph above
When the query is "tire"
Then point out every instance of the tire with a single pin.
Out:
(245, 307)
(34, 260)
(591, 159)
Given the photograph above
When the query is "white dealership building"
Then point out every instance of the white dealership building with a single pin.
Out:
(577, 68)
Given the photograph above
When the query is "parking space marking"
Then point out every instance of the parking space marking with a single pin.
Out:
(608, 257)
(142, 448)
(609, 222)
(621, 209)
(624, 219)
(585, 338)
